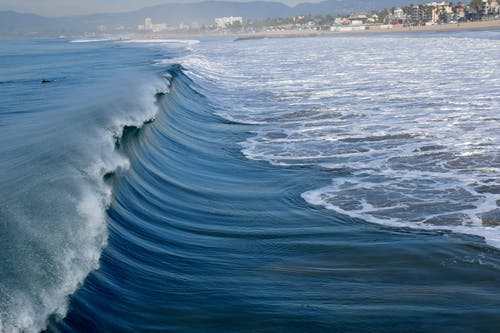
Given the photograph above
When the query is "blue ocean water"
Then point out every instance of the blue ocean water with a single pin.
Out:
(337, 184)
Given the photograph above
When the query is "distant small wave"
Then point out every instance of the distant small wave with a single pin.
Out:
(91, 40)
(164, 41)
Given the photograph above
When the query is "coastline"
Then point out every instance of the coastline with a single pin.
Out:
(463, 26)
(356, 30)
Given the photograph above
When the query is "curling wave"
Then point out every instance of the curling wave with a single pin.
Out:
(56, 163)
(202, 238)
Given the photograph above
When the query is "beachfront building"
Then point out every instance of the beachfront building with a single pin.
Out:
(372, 19)
(358, 19)
(483, 9)
(399, 13)
(431, 13)
(224, 22)
(438, 11)
(460, 14)
(493, 8)
(486, 7)
(396, 16)
(417, 14)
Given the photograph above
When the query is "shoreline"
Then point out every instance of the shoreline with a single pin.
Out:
(357, 30)
(341, 30)
(463, 26)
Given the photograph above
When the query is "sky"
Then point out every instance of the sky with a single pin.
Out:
(76, 7)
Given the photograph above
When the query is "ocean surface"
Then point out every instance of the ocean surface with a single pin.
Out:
(330, 184)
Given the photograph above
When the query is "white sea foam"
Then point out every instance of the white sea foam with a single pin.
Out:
(91, 40)
(410, 141)
(164, 41)
(71, 262)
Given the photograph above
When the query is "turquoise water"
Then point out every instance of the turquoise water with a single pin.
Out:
(181, 186)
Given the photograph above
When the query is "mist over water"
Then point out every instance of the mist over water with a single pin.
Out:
(220, 186)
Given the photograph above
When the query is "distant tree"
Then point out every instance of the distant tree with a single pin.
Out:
(407, 9)
(235, 26)
(384, 15)
(476, 5)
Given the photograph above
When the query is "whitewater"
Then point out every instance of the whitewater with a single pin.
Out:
(344, 183)
(407, 126)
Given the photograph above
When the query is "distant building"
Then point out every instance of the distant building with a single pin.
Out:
(149, 26)
(460, 13)
(417, 13)
(491, 8)
(438, 11)
(159, 27)
(495, 8)
(399, 13)
(224, 22)
(373, 19)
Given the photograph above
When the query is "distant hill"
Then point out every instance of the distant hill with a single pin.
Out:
(205, 12)
(339, 7)
(14, 24)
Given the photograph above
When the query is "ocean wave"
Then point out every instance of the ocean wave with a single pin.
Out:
(56, 224)
(97, 40)
(163, 41)
(195, 228)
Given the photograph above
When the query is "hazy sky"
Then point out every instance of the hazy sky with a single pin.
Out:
(71, 7)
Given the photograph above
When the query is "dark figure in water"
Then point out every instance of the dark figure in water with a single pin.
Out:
(46, 81)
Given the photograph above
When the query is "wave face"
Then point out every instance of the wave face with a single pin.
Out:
(202, 238)
(158, 209)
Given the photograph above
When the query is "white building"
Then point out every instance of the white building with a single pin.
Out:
(159, 27)
(399, 13)
(223, 22)
(149, 26)
(437, 9)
